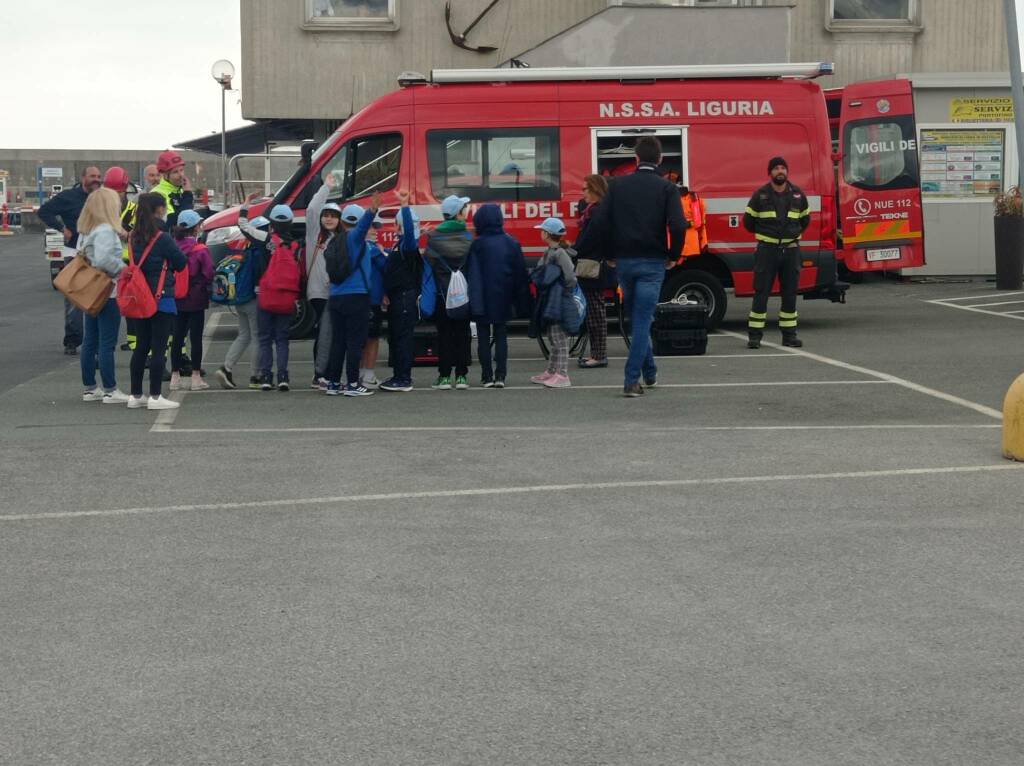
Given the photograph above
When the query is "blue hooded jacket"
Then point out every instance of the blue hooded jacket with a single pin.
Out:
(495, 270)
(356, 240)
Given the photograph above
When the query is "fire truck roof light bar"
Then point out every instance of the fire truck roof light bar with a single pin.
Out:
(698, 71)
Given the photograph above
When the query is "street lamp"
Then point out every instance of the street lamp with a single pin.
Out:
(222, 71)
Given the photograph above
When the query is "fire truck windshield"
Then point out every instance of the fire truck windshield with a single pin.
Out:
(880, 154)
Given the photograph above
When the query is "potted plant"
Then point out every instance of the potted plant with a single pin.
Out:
(1009, 231)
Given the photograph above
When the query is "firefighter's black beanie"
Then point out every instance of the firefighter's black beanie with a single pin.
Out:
(777, 161)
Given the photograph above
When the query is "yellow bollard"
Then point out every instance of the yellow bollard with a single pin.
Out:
(1013, 421)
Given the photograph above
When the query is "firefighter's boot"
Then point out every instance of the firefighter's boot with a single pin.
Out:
(790, 339)
(754, 339)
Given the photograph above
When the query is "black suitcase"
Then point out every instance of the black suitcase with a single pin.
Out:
(680, 329)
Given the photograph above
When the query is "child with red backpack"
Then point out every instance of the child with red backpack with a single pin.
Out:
(145, 292)
(279, 284)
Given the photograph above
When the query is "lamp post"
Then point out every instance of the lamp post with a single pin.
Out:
(222, 71)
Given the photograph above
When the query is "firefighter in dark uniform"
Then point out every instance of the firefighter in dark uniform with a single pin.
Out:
(777, 215)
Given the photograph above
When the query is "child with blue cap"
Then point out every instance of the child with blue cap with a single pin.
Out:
(446, 251)
(560, 254)
(349, 304)
(273, 321)
(191, 316)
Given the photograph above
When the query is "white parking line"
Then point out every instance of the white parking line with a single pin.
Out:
(910, 385)
(990, 305)
(1004, 314)
(594, 387)
(514, 490)
(166, 418)
(971, 297)
(577, 429)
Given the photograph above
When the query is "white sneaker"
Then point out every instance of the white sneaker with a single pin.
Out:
(198, 384)
(94, 395)
(115, 397)
(370, 381)
(135, 402)
(161, 403)
(177, 384)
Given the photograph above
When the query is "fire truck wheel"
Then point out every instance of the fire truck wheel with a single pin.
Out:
(698, 285)
(303, 321)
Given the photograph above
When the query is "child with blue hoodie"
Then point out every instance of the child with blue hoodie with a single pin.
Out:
(498, 284)
(378, 303)
(349, 304)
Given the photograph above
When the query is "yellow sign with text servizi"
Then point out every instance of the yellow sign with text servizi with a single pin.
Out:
(981, 110)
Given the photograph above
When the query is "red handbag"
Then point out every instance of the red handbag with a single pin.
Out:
(181, 284)
(134, 298)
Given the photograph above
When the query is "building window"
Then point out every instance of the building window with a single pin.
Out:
(874, 10)
(495, 165)
(365, 15)
(873, 15)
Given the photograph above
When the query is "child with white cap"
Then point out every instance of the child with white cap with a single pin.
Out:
(559, 253)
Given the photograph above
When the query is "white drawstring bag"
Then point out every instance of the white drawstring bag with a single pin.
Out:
(456, 302)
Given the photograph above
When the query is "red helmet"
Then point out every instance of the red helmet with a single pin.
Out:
(117, 179)
(168, 161)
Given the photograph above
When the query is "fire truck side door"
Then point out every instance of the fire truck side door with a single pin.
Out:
(879, 178)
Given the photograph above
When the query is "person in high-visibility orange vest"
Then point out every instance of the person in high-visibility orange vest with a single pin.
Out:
(696, 213)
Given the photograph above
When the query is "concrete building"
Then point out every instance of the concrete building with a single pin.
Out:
(299, 63)
(312, 63)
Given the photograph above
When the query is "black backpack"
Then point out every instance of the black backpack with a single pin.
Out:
(339, 267)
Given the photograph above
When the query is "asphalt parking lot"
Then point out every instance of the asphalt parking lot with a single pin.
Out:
(778, 557)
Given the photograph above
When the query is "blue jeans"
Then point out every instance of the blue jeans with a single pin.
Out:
(640, 280)
(402, 318)
(350, 323)
(73, 318)
(99, 337)
(273, 336)
(484, 332)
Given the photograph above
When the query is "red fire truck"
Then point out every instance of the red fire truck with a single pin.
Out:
(525, 138)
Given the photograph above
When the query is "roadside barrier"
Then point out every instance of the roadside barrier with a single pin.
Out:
(9, 220)
(1013, 421)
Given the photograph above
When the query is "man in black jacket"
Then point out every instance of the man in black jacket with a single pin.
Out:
(635, 216)
(61, 213)
(776, 215)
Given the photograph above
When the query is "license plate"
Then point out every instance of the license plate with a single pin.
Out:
(884, 254)
(54, 241)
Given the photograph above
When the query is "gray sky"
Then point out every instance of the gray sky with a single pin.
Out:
(118, 74)
(115, 74)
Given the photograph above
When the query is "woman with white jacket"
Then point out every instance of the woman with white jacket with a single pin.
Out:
(323, 220)
(101, 245)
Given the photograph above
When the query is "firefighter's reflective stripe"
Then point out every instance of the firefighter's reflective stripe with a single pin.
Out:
(798, 214)
(757, 321)
(787, 320)
(773, 240)
(763, 214)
